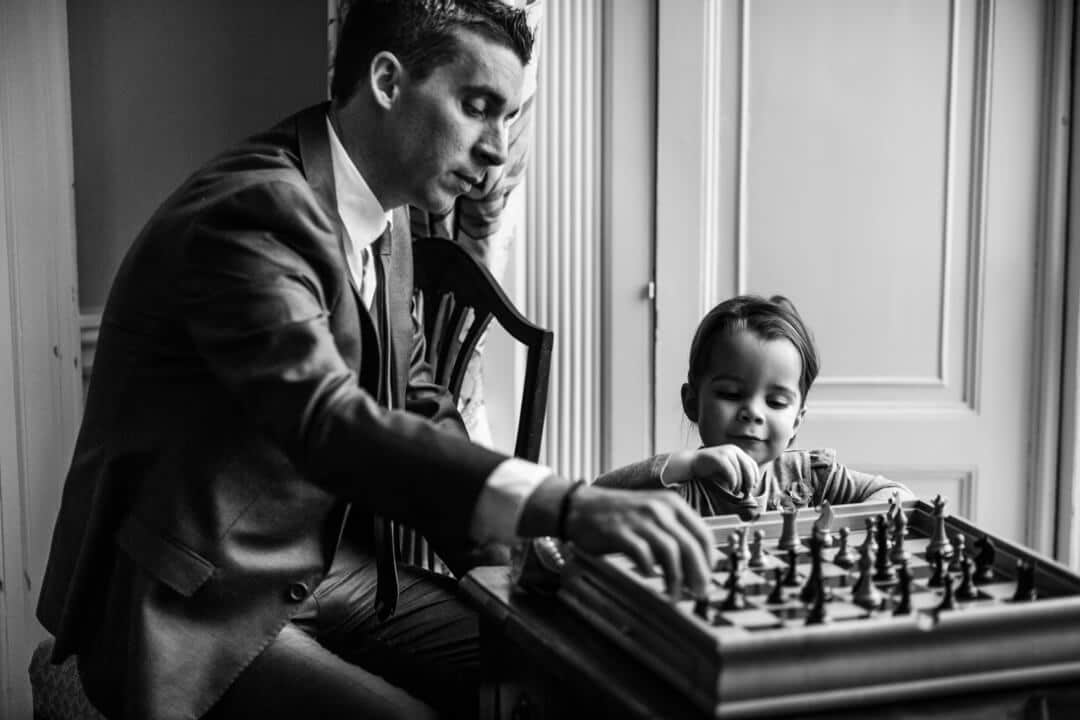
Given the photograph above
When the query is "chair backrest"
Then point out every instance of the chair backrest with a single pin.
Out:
(457, 298)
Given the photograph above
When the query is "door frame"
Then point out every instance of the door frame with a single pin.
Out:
(40, 388)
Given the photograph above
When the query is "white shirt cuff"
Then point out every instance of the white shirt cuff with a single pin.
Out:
(503, 498)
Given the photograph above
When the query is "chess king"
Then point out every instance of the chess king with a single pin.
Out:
(752, 362)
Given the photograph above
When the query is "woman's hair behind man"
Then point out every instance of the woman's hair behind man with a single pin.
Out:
(769, 319)
(420, 34)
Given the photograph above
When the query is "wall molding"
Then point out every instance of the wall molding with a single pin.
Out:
(564, 220)
(958, 485)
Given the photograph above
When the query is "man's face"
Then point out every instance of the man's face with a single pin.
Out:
(450, 129)
(749, 394)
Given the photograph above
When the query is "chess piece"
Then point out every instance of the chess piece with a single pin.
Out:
(966, 591)
(824, 521)
(701, 609)
(815, 584)
(865, 593)
(776, 597)
(748, 508)
(947, 599)
(818, 615)
(734, 563)
(789, 537)
(791, 577)
(883, 571)
(1025, 581)
(868, 541)
(845, 556)
(736, 597)
(757, 550)
(939, 541)
(937, 578)
(742, 547)
(903, 607)
(984, 560)
(959, 553)
(899, 553)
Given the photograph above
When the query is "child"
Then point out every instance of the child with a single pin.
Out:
(752, 362)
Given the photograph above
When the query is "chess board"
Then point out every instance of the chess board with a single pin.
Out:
(766, 658)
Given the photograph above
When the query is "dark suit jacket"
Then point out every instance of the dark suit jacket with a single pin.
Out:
(231, 417)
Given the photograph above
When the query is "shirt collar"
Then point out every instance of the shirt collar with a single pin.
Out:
(360, 211)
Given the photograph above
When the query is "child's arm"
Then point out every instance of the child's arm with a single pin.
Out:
(839, 484)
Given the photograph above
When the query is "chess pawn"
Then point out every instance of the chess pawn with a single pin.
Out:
(1025, 581)
(899, 554)
(948, 599)
(903, 607)
(741, 539)
(776, 597)
(966, 591)
(959, 553)
(845, 556)
(734, 563)
(984, 560)
(937, 578)
(883, 571)
(757, 550)
(866, 594)
(789, 537)
(736, 597)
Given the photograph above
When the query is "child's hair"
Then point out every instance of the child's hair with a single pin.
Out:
(770, 319)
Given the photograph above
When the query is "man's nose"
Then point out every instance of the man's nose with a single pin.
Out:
(492, 148)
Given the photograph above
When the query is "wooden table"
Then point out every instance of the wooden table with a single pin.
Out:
(541, 661)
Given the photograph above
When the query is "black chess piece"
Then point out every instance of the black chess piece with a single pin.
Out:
(984, 560)
(899, 553)
(818, 615)
(948, 599)
(845, 555)
(701, 609)
(791, 578)
(966, 591)
(939, 541)
(776, 596)
(883, 571)
(903, 606)
(937, 578)
(1025, 581)
(736, 597)
(865, 593)
(959, 553)
(815, 584)
(741, 543)
(757, 550)
(734, 566)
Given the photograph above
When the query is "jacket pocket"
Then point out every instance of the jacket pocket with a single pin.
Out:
(168, 560)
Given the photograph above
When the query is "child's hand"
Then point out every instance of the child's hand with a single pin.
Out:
(721, 467)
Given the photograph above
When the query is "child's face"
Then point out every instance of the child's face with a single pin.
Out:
(748, 395)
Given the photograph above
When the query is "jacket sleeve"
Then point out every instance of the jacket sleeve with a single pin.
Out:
(253, 303)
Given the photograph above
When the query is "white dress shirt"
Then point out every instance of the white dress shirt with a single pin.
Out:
(513, 481)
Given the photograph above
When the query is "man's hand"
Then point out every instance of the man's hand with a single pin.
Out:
(652, 527)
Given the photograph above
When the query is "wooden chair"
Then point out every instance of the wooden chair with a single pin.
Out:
(457, 298)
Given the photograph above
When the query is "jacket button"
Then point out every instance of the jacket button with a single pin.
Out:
(298, 591)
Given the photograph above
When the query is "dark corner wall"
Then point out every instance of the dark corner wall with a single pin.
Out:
(160, 86)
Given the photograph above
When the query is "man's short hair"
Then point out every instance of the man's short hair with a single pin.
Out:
(420, 34)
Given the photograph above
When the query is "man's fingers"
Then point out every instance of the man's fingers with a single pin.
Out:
(666, 550)
(693, 563)
(639, 551)
(699, 531)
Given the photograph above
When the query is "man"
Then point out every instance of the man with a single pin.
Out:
(259, 410)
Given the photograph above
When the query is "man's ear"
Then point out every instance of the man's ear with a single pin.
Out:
(689, 402)
(385, 78)
(796, 425)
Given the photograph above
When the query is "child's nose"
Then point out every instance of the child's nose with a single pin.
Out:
(750, 412)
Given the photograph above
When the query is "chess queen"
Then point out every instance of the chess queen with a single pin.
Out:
(752, 362)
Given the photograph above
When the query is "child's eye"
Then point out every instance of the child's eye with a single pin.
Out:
(779, 403)
(475, 110)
